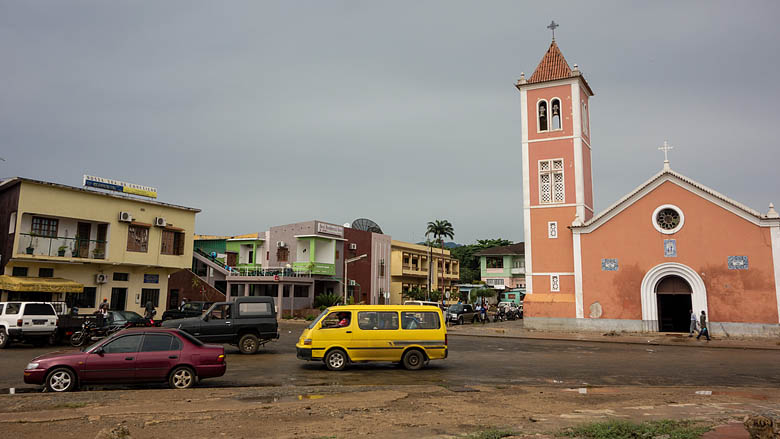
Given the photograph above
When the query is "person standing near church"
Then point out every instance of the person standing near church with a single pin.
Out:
(703, 324)
(694, 321)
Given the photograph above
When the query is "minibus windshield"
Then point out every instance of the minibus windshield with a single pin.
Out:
(317, 320)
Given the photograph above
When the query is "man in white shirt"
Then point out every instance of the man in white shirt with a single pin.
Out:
(694, 319)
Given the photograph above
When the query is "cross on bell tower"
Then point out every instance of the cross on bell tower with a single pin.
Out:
(666, 147)
(552, 26)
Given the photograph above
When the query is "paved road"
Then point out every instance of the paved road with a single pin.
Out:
(479, 360)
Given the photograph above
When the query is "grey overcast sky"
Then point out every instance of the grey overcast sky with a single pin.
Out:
(266, 113)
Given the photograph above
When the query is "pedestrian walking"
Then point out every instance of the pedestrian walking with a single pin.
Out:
(703, 323)
(694, 321)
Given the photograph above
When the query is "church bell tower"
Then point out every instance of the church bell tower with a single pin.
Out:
(557, 180)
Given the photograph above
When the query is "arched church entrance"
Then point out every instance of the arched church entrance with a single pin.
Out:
(673, 295)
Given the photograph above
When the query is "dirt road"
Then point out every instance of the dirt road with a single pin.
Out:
(351, 411)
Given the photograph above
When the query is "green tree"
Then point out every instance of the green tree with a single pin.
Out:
(481, 293)
(469, 263)
(440, 229)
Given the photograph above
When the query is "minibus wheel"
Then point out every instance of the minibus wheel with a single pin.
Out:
(336, 359)
(413, 359)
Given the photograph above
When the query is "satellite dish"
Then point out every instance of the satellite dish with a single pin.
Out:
(366, 225)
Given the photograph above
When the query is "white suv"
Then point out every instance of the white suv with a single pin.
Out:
(32, 322)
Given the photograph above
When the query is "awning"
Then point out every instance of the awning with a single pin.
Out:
(40, 284)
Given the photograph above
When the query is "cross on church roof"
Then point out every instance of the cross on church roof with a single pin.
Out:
(666, 148)
(552, 27)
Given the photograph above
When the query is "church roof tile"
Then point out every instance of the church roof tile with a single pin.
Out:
(552, 66)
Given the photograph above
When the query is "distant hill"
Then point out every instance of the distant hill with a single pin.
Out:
(447, 245)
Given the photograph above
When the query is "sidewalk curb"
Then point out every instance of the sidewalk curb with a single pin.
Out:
(648, 343)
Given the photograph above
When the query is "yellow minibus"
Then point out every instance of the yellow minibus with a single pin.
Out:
(408, 334)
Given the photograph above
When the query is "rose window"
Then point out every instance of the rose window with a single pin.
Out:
(668, 219)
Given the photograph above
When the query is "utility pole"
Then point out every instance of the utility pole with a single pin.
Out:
(346, 279)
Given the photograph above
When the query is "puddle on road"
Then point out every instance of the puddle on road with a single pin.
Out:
(272, 399)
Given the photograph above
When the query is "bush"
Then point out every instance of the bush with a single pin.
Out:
(310, 318)
(629, 430)
(327, 299)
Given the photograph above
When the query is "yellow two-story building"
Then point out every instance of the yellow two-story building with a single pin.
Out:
(80, 246)
(410, 265)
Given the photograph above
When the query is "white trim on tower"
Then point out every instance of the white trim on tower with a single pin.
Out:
(578, 294)
(579, 175)
(526, 191)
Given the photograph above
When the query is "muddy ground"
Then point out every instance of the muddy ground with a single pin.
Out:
(379, 411)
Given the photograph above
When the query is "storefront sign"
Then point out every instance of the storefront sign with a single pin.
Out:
(119, 186)
(330, 229)
(151, 278)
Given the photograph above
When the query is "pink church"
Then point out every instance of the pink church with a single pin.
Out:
(671, 245)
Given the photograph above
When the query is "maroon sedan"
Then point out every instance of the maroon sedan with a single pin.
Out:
(130, 356)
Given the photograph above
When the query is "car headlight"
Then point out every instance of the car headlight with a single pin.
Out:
(31, 366)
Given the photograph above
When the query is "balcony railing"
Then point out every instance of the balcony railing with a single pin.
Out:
(37, 245)
(270, 271)
(518, 270)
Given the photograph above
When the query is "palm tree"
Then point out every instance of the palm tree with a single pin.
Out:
(440, 229)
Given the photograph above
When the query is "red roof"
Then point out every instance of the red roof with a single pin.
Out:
(552, 66)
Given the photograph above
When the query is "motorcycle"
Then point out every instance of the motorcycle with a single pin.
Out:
(500, 315)
(91, 332)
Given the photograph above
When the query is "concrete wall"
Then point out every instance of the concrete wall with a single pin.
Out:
(86, 274)
(709, 235)
(717, 329)
(75, 204)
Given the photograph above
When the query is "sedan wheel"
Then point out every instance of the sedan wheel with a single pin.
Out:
(61, 380)
(182, 378)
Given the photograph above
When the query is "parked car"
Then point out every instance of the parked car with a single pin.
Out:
(190, 309)
(461, 313)
(247, 322)
(408, 334)
(138, 355)
(28, 322)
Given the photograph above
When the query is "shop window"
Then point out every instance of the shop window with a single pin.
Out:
(491, 262)
(150, 295)
(82, 300)
(137, 238)
(12, 223)
(172, 243)
(44, 226)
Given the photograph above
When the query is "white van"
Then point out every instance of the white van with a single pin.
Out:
(32, 322)
(422, 303)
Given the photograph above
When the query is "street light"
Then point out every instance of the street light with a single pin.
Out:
(346, 279)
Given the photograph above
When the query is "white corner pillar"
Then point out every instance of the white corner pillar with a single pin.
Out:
(774, 232)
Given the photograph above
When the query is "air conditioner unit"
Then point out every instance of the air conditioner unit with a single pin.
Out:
(353, 246)
(160, 222)
(281, 244)
(125, 217)
(352, 283)
(101, 278)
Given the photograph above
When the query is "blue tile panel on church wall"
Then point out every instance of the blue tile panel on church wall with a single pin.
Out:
(670, 248)
(609, 265)
(738, 262)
